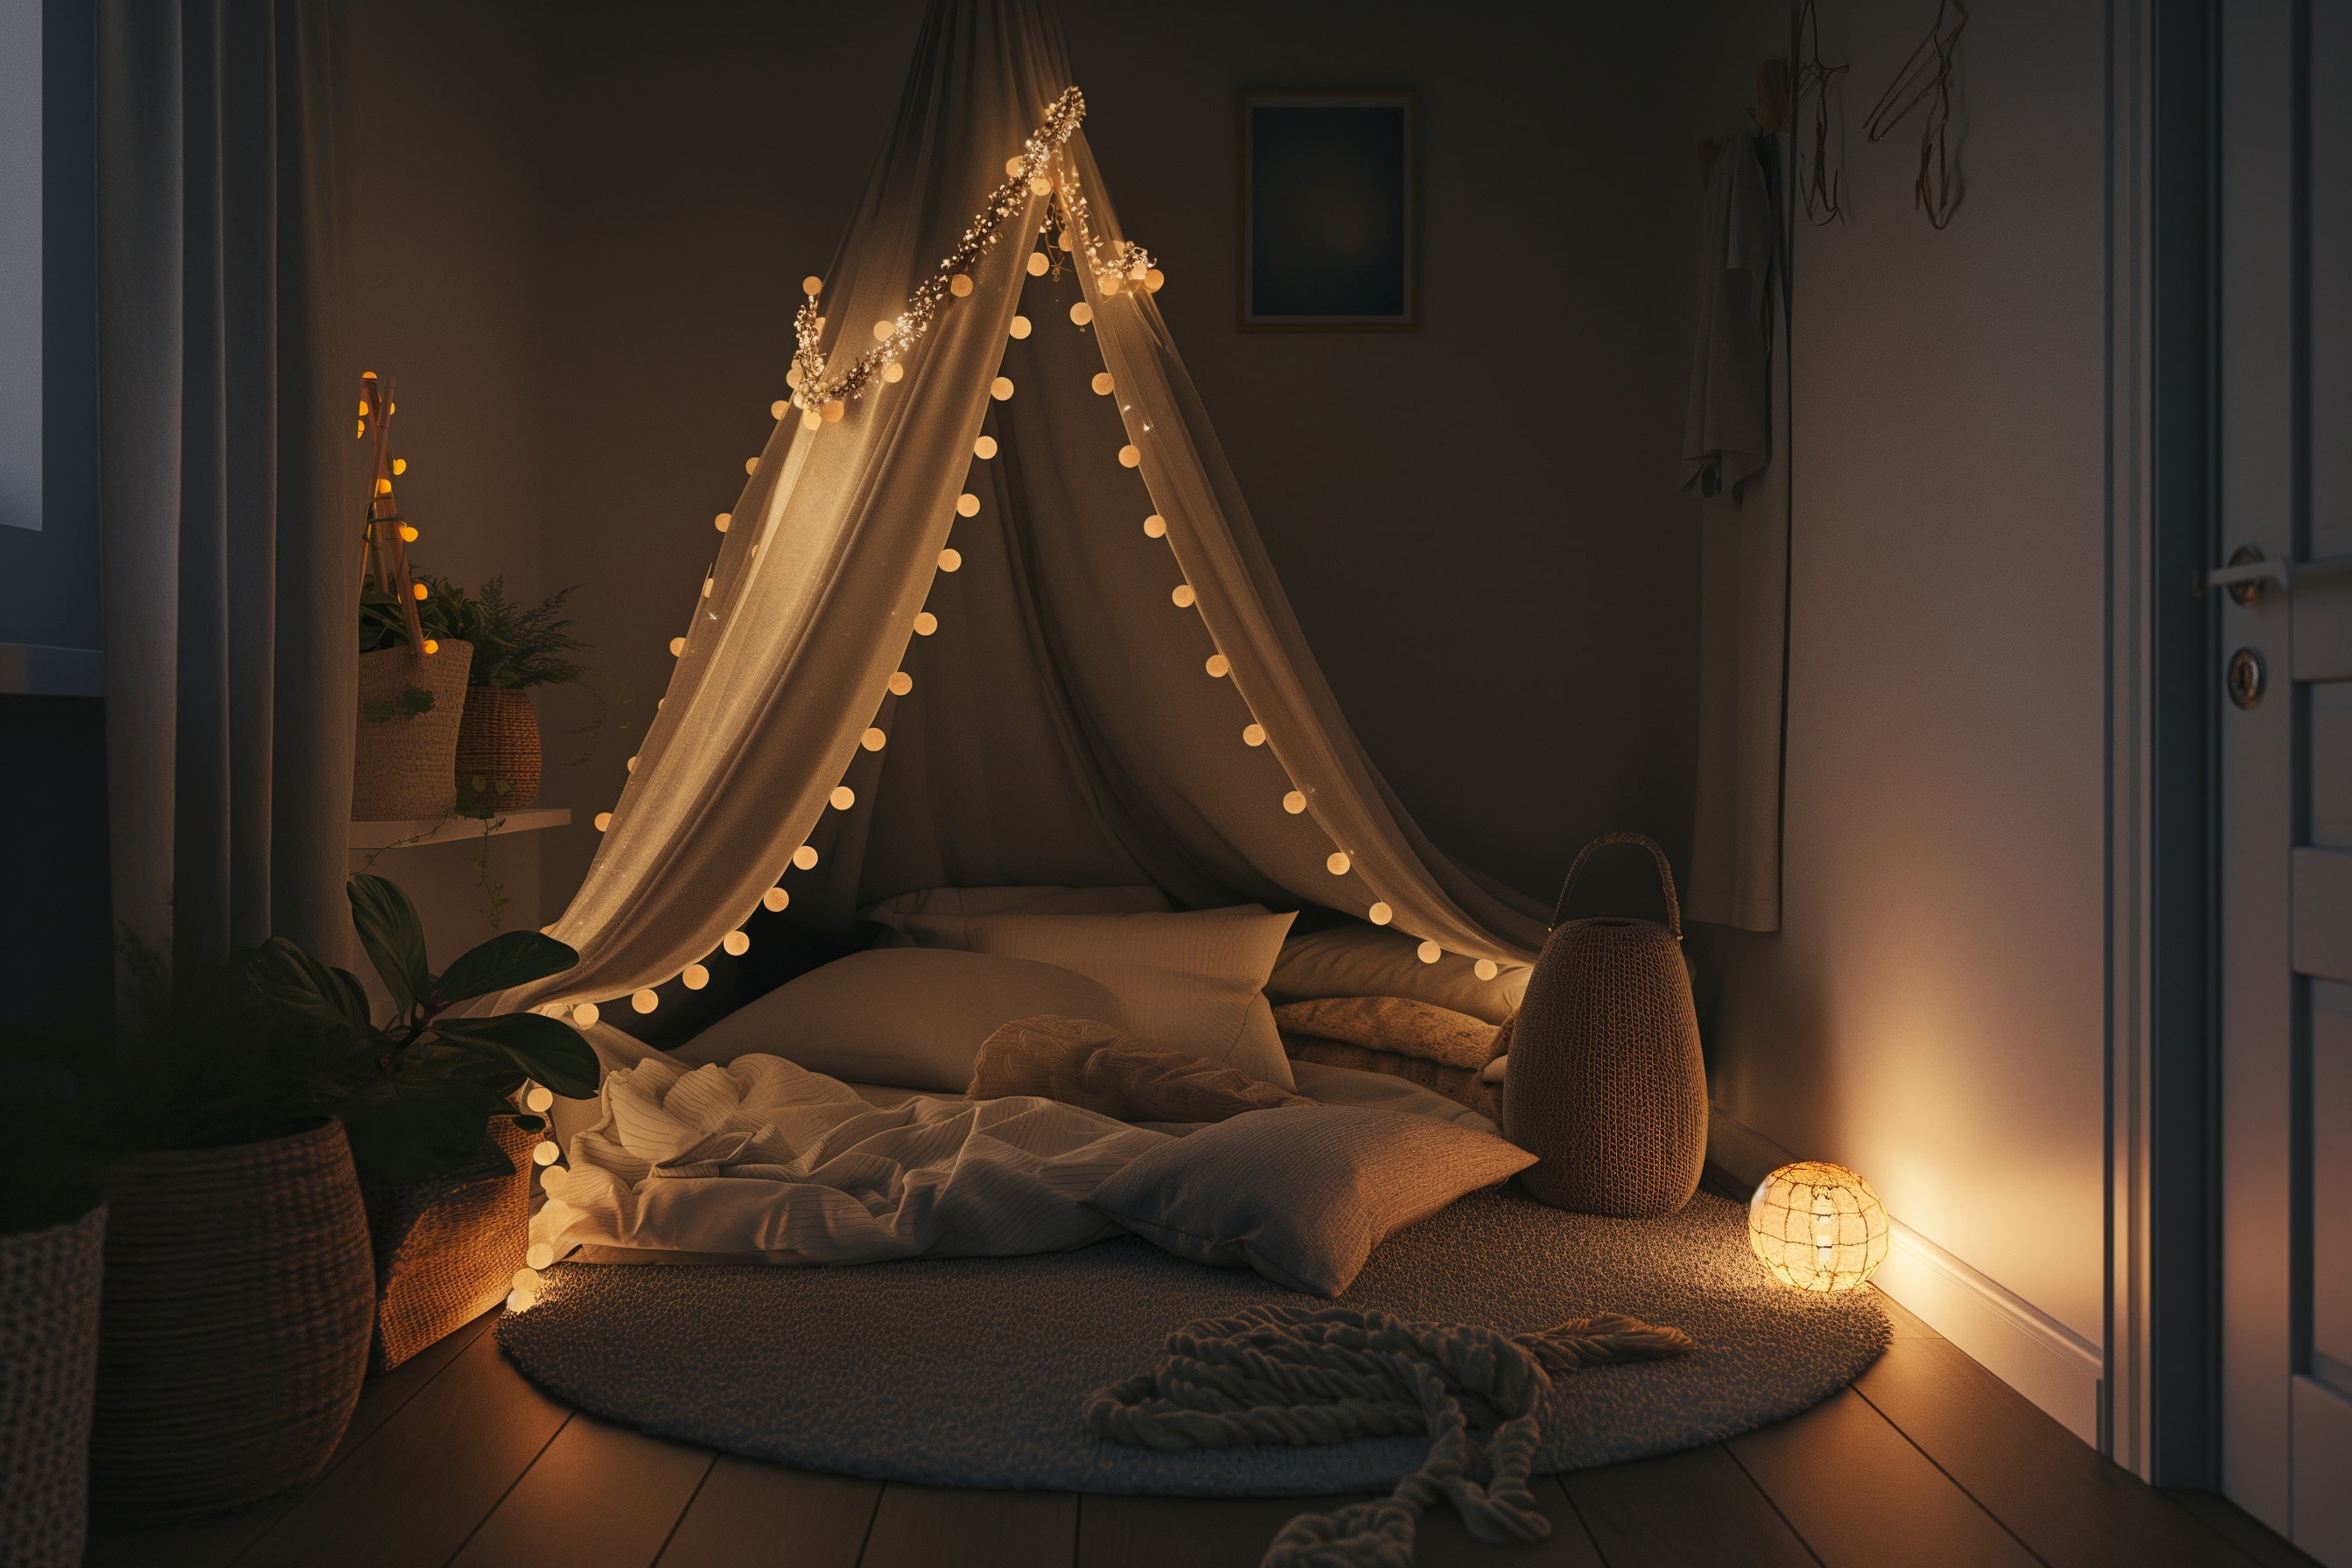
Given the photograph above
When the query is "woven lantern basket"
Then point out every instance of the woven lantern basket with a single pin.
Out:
(233, 1330)
(48, 1366)
(404, 769)
(1606, 1084)
(498, 751)
(446, 1250)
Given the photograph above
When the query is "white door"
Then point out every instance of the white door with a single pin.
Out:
(2284, 699)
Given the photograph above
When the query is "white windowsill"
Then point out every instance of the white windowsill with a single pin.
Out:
(444, 829)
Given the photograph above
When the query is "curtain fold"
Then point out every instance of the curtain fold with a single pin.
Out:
(229, 565)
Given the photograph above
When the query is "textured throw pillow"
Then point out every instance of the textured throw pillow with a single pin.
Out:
(936, 917)
(910, 1017)
(1102, 1068)
(1461, 1085)
(1396, 1026)
(1360, 960)
(1183, 982)
(1304, 1194)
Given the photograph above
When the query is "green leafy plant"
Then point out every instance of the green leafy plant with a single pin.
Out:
(383, 625)
(516, 645)
(424, 1083)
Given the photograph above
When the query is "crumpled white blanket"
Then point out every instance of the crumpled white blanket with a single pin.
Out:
(762, 1156)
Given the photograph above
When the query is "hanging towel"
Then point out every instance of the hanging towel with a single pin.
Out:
(1728, 427)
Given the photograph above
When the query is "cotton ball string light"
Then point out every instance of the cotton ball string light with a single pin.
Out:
(885, 330)
(1039, 185)
(1218, 666)
(894, 371)
(408, 535)
(1818, 1226)
(1130, 455)
(984, 448)
(1486, 969)
(585, 1015)
(432, 645)
(1380, 915)
(1252, 734)
(545, 1152)
(1081, 313)
(644, 1000)
(1038, 264)
(1019, 328)
(1339, 863)
(751, 465)
(1013, 166)
(967, 505)
(631, 764)
(812, 285)
(951, 560)
(708, 584)
(874, 739)
(926, 622)
(778, 408)
(1001, 388)
(1429, 952)
(901, 683)
(812, 420)
(695, 976)
(520, 1300)
(539, 1098)
(400, 465)
(736, 943)
(603, 821)
(833, 412)
(805, 857)
(1295, 802)
(1153, 278)
(676, 646)
(1108, 283)
(1155, 527)
(775, 901)
(1103, 383)
(539, 1255)
(843, 797)
(1182, 596)
(960, 285)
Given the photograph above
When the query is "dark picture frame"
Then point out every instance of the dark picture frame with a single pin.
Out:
(1329, 211)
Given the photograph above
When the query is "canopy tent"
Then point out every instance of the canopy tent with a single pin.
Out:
(991, 608)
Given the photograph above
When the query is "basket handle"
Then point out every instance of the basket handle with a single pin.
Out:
(1665, 877)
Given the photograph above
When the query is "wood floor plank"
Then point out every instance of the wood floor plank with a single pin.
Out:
(754, 1514)
(1696, 1509)
(1444, 1541)
(600, 1496)
(2071, 1507)
(2260, 1546)
(956, 1527)
(1186, 1532)
(410, 1495)
(1859, 1494)
(218, 1541)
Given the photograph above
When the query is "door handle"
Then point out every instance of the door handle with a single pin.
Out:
(2245, 574)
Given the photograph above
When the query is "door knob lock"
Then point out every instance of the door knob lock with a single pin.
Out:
(2246, 678)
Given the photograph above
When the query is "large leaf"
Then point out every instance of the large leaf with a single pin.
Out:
(509, 959)
(548, 1050)
(285, 976)
(394, 937)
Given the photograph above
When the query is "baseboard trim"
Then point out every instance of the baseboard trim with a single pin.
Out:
(2040, 1357)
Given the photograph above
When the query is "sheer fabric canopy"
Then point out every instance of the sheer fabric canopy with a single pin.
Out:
(1076, 687)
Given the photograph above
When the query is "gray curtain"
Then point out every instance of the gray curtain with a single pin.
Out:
(230, 548)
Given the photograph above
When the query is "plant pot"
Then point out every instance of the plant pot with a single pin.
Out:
(498, 751)
(404, 766)
(446, 1249)
(234, 1332)
(48, 1366)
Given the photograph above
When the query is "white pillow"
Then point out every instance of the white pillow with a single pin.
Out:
(910, 1017)
(1361, 960)
(1183, 982)
(937, 917)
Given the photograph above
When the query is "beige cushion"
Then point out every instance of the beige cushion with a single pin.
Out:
(1183, 982)
(1360, 960)
(1102, 1068)
(1304, 1194)
(1394, 1025)
(936, 917)
(910, 1017)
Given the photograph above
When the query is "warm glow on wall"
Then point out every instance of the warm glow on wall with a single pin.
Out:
(1818, 1226)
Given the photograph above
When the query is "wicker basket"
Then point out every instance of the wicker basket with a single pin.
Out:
(405, 768)
(446, 1249)
(234, 1332)
(498, 745)
(48, 1362)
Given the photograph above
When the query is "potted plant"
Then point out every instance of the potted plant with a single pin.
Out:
(516, 647)
(448, 1202)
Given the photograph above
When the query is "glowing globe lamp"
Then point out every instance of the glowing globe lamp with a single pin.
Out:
(1818, 1226)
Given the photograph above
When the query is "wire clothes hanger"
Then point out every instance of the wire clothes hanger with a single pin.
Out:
(1927, 78)
(1819, 114)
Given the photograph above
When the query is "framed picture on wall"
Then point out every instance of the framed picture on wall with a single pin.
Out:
(1328, 212)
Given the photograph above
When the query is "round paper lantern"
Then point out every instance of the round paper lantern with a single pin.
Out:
(1817, 1227)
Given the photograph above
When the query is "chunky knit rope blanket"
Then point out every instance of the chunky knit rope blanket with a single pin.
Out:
(1295, 1376)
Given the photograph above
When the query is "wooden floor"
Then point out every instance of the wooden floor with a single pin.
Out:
(1929, 1462)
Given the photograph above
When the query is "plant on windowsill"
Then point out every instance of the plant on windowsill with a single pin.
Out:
(516, 647)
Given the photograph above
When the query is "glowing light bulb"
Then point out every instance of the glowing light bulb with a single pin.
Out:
(1001, 388)
(539, 1255)
(1380, 915)
(528, 1279)
(676, 646)
(400, 465)
(951, 560)
(708, 585)
(1252, 734)
(1486, 969)
(1337, 863)
(736, 943)
(844, 798)
(776, 901)
(1103, 383)
(812, 420)
(885, 330)
(1012, 168)
(793, 379)
(1062, 238)
(805, 857)
(1219, 665)
(984, 448)
(1108, 283)
(1130, 455)
(874, 739)
(432, 646)
(926, 623)
(1039, 185)
(1081, 313)
(901, 683)
(832, 412)
(539, 1098)
(812, 285)
(1429, 952)
(520, 1301)
(1038, 264)
(1293, 803)
(751, 465)
(363, 407)
(723, 521)
(695, 976)
(545, 1152)
(1020, 326)
(1155, 527)
(418, 588)
(778, 408)
(407, 534)
(632, 764)
(644, 1002)
(384, 487)
(967, 505)
(894, 371)
(1154, 278)
(585, 1015)
(960, 285)
(1182, 596)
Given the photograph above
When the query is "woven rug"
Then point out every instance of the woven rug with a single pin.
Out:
(971, 1372)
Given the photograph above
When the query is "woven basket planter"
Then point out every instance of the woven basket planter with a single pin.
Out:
(498, 751)
(234, 1332)
(446, 1249)
(405, 768)
(48, 1365)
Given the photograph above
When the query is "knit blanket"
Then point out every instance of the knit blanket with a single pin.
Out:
(1099, 1067)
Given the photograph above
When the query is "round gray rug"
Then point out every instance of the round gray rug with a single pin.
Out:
(971, 1372)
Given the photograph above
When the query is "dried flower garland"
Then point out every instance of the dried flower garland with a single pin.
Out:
(1131, 263)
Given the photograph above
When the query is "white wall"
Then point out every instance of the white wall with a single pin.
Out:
(1931, 1012)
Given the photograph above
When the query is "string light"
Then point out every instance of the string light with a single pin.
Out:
(585, 1015)
(812, 285)
(1038, 264)
(1252, 734)
(874, 739)
(843, 797)
(400, 465)
(539, 1255)
(518, 1301)
(1001, 388)
(1219, 665)
(951, 560)
(894, 371)
(805, 857)
(1182, 596)
(751, 465)
(695, 976)
(632, 764)
(1130, 455)
(984, 448)
(1337, 863)
(736, 943)
(645, 1001)
(1081, 313)
(1295, 802)
(676, 646)
(1429, 952)
(1103, 383)
(1486, 969)
(544, 1151)
(776, 901)
(885, 330)
(1155, 527)
(960, 285)
(967, 505)
(432, 645)
(408, 535)
(901, 683)
(1380, 915)
(778, 408)
(926, 622)
(539, 1098)
(1019, 328)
